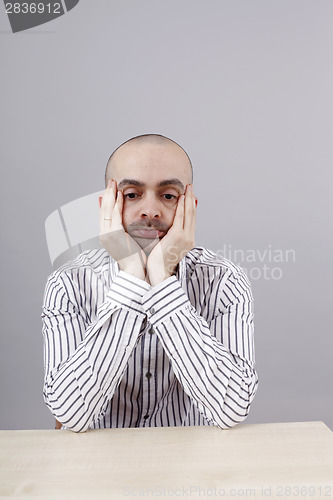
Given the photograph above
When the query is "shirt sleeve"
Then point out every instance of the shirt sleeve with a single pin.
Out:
(85, 360)
(213, 360)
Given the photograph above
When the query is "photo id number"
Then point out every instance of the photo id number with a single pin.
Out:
(304, 491)
(33, 8)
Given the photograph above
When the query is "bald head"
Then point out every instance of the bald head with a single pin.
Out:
(141, 143)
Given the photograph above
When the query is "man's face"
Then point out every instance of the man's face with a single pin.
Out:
(151, 177)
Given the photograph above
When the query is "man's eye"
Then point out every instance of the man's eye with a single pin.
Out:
(131, 196)
(169, 196)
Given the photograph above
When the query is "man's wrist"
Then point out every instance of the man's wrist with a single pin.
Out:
(133, 266)
(156, 277)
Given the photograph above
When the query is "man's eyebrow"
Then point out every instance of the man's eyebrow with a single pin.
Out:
(172, 182)
(167, 182)
(132, 182)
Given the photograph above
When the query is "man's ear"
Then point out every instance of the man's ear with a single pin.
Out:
(100, 198)
(196, 202)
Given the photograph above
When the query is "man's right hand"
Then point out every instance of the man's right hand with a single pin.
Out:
(113, 237)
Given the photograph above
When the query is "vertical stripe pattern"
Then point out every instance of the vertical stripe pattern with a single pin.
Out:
(120, 353)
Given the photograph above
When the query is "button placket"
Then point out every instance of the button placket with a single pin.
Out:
(148, 363)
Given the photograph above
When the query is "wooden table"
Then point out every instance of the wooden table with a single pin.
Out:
(272, 461)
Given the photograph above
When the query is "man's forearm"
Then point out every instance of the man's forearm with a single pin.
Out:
(79, 384)
(220, 379)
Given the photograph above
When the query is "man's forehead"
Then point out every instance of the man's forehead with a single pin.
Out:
(140, 151)
(156, 165)
(160, 160)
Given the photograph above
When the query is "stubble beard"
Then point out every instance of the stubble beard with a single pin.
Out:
(147, 244)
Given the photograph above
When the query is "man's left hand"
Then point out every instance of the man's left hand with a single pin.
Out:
(179, 240)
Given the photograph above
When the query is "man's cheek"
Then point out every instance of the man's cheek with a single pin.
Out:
(126, 217)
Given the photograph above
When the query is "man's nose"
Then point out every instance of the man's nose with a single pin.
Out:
(150, 208)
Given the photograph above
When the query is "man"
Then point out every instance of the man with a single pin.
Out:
(149, 330)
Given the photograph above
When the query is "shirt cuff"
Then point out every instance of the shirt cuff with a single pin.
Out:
(164, 299)
(127, 291)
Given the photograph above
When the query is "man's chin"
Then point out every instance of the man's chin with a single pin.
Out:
(147, 244)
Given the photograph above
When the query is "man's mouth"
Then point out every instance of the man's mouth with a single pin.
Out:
(150, 230)
(148, 233)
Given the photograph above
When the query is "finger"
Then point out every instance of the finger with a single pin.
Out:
(178, 221)
(190, 209)
(110, 192)
(107, 206)
(117, 214)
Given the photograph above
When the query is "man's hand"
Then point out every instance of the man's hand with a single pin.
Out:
(179, 240)
(113, 237)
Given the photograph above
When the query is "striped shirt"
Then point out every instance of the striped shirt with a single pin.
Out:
(121, 353)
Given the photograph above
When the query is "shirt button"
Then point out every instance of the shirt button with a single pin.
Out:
(151, 310)
(146, 416)
(151, 330)
(148, 375)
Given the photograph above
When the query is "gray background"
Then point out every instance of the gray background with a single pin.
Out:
(246, 88)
